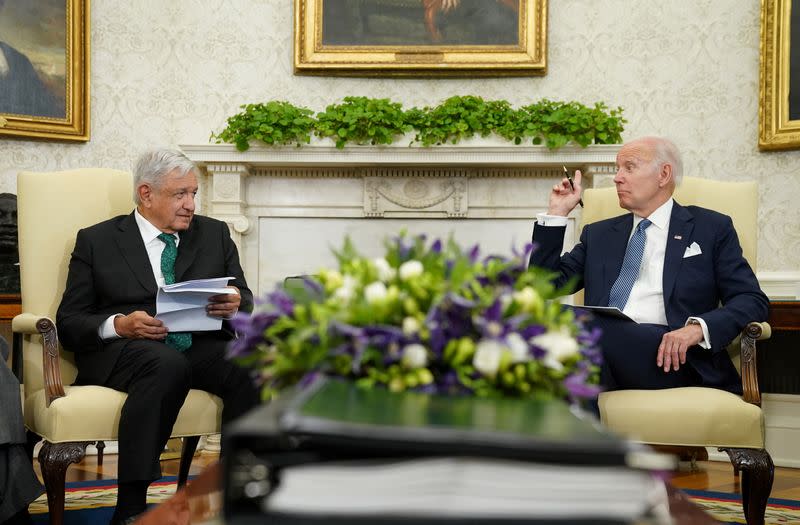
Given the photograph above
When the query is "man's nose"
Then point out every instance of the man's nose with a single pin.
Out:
(188, 202)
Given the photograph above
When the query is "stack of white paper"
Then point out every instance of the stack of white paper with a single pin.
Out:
(473, 487)
(182, 306)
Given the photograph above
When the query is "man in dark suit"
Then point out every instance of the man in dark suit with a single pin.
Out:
(107, 314)
(689, 288)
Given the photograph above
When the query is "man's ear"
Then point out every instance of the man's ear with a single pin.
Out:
(145, 193)
(665, 175)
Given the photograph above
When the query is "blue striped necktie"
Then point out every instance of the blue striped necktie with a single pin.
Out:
(630, 267)
(178, 340)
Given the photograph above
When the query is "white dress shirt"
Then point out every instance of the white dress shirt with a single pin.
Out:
(646, 301)
(154, 247)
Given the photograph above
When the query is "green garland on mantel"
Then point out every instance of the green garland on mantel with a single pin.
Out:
(364, 120)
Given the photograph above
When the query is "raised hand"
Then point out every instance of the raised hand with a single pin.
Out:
(564, 196)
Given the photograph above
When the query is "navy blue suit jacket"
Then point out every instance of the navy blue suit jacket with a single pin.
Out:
(718, 285)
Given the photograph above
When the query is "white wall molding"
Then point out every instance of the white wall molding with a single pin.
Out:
(780, 285)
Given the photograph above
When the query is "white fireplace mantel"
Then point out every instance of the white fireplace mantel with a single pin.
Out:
(470, 152)
(486, 191)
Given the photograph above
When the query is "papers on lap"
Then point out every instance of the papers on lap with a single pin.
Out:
(182, 306)
(612, 311)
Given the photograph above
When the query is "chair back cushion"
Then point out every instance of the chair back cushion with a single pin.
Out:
(52, 207)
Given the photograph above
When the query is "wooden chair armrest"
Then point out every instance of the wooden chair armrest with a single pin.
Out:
(753, 332)
(27, 323)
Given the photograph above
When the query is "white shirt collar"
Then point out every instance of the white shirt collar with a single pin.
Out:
(147, 230)
(660, 217)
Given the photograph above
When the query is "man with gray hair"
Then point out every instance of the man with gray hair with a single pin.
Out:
(678, 271)
(106, 316)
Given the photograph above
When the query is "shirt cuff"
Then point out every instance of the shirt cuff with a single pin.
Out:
(706, 342)
(107, 331)
(544, 219)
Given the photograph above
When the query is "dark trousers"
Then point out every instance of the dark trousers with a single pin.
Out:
(157, 379)
(629, 357)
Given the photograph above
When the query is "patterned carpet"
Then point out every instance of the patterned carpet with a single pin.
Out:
(727, 508)
(90, 502)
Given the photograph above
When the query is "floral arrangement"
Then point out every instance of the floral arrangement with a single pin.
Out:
(427, 316)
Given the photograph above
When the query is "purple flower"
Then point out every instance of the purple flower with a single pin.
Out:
(282, 302)
(250, 331)
(578, 387)
(474, 253)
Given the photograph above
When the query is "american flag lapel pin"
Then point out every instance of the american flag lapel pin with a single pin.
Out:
(678, 237)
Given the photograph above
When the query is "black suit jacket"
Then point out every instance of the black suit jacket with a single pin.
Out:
(717, 285)
(109, 273)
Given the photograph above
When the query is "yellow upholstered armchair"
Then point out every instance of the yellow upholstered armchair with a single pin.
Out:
(52, 207)
(690, 419)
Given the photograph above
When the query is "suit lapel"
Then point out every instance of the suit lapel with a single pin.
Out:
(681, 225)
(187, 251)
(134, 252)
(614, 252)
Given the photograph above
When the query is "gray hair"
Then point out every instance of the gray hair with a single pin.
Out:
(666, 152)
(152, 166)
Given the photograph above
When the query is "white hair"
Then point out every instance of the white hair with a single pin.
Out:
(666, 152)
(153, 165)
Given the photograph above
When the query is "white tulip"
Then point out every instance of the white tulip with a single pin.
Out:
(347, 290)
(410, 270)
(385, 272)
(518, 347)
(415, 356)
(526, 298)
(558, 345)
(375, 292)
(487, 357)
(410, 326)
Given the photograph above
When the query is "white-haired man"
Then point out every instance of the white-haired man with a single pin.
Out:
(106, 316)
(676, 270)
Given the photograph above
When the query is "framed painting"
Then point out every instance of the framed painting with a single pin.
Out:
(779, 90)
(44, 69)
(420, 38)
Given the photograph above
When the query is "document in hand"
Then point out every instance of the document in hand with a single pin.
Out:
(182, 306)
(612, 311)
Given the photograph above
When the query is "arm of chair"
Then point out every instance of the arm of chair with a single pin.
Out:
(753, 332)
(27, 323)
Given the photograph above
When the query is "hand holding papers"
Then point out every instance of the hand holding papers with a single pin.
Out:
(182, 306)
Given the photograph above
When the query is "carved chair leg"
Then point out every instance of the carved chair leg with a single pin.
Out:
(101, 445)
(189, 446)
(757, 473)
(54, 458)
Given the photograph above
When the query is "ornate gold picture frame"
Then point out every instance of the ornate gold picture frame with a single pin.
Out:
(420, 38)
(779, 90)
(44, 69)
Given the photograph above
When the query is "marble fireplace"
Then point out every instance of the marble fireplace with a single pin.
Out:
(287, 207)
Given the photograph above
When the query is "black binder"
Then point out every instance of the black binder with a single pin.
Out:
(334, 422)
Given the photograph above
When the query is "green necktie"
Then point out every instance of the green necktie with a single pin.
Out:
(178, 340)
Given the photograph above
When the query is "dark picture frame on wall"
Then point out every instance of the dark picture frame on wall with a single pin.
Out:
(420, 38)
(44, 69)
(779, 90)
